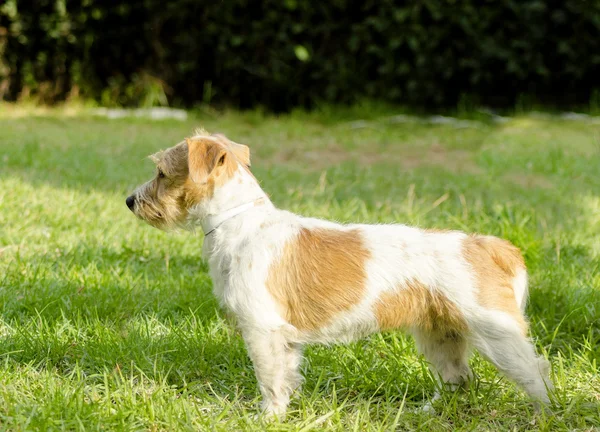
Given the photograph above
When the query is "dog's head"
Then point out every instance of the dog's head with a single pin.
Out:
(187, 175)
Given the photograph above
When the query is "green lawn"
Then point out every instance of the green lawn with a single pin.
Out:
(108, 324)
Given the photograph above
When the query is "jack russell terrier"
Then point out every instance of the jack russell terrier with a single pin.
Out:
(290, 280)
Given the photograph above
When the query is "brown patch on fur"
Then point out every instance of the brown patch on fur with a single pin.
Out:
(186, 174)
(209, 159)
(241, 151)
(415, 306)
(495, 262)
(320, 274)
(211, 165)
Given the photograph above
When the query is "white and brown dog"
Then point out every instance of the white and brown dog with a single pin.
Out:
(291, 280)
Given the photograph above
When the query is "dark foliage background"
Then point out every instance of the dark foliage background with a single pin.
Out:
(286, 53)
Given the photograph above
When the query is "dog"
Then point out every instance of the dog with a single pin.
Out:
(290, 280)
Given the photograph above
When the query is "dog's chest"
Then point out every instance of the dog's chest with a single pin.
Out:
(234, 283)
(220, 273)
(238, 277)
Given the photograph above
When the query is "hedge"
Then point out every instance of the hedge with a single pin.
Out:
(285, 53)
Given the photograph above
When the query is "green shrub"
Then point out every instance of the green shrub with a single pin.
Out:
(286, 53)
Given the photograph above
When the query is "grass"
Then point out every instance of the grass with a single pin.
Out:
(108, 324)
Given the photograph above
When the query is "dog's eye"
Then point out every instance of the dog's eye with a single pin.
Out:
(161, 174)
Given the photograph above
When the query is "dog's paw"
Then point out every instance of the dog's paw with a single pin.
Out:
(272, 412)
(426, 408)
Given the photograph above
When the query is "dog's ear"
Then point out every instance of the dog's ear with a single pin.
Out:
(241, 151)
(205, 157)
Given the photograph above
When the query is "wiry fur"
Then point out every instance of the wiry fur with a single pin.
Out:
(323, 265)
(291, 280)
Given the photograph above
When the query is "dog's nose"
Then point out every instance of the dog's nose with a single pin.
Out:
(130, 201)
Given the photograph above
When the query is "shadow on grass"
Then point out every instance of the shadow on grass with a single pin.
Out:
(103, 283)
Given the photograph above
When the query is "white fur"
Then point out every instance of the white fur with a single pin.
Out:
(241, 250)
(521, 289)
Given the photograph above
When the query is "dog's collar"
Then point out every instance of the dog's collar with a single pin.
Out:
(212, 222)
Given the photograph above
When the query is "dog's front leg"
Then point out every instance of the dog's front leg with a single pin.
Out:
(269, 352)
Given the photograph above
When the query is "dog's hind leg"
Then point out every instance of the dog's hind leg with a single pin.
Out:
(501, 340)
(448, 355)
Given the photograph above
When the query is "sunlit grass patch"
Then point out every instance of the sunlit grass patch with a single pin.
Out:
(109, 324)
